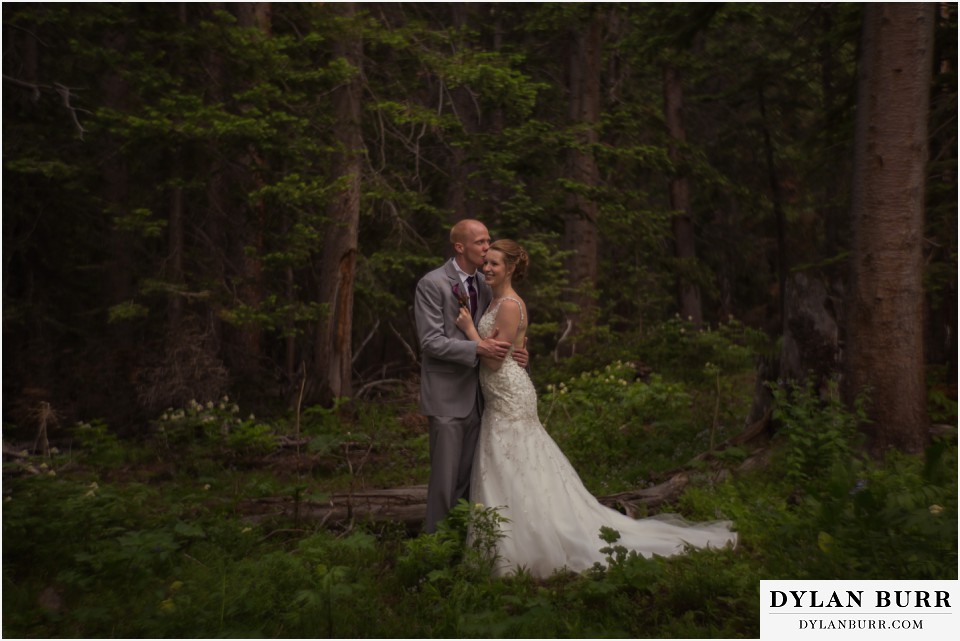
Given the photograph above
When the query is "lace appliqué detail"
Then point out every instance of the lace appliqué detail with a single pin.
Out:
(508, 391)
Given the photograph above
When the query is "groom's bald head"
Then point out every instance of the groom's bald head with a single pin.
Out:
(463, 230)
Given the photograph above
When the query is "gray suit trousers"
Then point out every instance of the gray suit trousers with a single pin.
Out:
(452, 444)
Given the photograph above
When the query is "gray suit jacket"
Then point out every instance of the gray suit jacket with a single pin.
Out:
(449, 378)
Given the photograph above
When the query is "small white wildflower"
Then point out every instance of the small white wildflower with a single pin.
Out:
(209, 405)
(251, 418)
(235, 408)
(44, 466)
(225, 399)
(222, 407)
(936, 510)
(206, 487)
(54, 450)
(52, 473)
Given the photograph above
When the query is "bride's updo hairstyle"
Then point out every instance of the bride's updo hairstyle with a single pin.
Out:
(514, 255)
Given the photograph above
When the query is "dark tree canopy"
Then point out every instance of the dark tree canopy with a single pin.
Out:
(203, 198)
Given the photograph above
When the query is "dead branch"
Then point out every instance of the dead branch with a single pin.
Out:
(566, 332)
(65, 93)
(406, 345)
(381, 383)
(356, 352)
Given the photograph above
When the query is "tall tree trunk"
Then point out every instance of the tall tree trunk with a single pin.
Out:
(459, 202)
(215, 192)
(120, 344)
(175, 223)
(884, 355)
(684, 237)
(333, 353)
(776, 195)
(249, 231)
(175, 257)
(120, 276)
(580, 220)
(830, 205)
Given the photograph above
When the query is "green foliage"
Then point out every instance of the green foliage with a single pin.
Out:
(176, 557)
(462, 549)
(679, 349)
(601, 419)
(215, 423)
(701, 389)
(820, 433)
(99, 445)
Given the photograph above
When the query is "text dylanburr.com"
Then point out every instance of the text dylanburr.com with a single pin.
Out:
(858, 609)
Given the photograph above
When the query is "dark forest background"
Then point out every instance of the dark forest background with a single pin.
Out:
(742, 221)
(212, 198)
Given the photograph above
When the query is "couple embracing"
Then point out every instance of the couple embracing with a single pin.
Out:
(486, 440)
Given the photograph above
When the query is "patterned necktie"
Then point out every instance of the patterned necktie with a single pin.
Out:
(473, 296)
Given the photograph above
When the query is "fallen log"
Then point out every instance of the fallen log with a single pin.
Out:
(636, 503)
(408, 505)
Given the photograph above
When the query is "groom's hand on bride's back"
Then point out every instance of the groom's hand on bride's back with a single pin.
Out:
(490, 347)
(521, 355)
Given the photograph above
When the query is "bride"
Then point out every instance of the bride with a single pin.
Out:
(553, 521)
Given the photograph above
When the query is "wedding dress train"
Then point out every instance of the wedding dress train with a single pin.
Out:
(554, 522)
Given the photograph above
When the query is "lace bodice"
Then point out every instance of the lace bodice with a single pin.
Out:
(507, 391)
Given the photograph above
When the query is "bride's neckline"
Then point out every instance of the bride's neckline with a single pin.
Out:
(497, 299)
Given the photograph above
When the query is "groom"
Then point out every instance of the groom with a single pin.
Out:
(449, 377)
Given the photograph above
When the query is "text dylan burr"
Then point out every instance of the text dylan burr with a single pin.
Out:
(855, 599)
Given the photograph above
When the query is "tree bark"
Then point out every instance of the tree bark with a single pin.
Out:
(459, 201)
(333, 352)
(776, 196)
(884, 355)
(580, 220)
(247, 230)
(684, 237)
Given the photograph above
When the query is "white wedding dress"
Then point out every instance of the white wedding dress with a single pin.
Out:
(554, 522)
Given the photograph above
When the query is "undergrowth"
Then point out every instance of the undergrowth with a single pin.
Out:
(147, 538)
